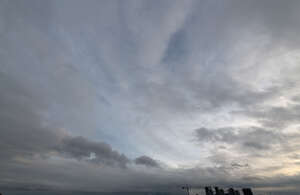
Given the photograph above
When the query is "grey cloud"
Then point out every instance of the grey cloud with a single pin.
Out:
(295, 156)
(180, 88)
(277, 117)
(147, 161)
(22, 131)
(98, 68)
(28, 144)
(251, 138)
(223, 135)
(296, 98)
(238, 165)
(213, 85)
(97, 152)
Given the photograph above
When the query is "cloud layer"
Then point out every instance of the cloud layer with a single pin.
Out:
(147, 95)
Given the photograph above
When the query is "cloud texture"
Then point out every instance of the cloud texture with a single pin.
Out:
(148, 95)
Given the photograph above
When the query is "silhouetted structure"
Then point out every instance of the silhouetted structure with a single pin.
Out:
(236, 192)
(187, 188)
(231, 191)
(222, 192)
(208, 191)
(217, 191)
(247, 191)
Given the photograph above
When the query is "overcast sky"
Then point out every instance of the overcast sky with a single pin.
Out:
(148, 95)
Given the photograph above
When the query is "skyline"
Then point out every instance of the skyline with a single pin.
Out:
(149, 95)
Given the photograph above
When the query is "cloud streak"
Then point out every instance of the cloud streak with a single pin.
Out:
(149, 95)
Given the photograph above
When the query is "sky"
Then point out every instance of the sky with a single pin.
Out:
(147, 95)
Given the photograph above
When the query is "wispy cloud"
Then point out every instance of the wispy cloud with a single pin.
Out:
(148, 94)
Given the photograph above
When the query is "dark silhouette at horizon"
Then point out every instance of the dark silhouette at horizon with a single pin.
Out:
(230, 191)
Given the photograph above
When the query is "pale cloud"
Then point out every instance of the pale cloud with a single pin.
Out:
(157, 93)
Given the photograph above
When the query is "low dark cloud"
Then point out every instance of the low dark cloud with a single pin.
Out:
(251, 138)
(97, 152)
(22, 131)
(147, 161)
